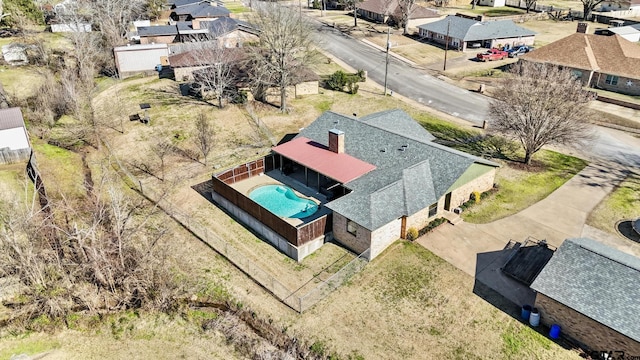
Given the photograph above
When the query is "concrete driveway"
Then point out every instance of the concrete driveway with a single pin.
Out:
(479, 249)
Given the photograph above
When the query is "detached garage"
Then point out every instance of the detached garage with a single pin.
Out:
(140, 59)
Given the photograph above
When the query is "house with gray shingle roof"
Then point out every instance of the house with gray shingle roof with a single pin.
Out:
(466, 33)
(381, 174)
(604, 62)
(199, 11)
(389, 11)
(593, 292)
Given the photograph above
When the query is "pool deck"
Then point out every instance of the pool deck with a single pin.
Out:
(274, 177)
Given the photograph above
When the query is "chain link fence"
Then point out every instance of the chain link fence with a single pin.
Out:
(294, 300)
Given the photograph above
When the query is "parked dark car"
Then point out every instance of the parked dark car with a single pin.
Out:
(519, 50)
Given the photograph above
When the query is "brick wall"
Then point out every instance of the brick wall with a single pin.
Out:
(590, 333)
(421, 218)
(481, 184)
(358, 243)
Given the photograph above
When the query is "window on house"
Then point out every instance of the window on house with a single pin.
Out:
(611, 80)
(352, 228)
(433, 209)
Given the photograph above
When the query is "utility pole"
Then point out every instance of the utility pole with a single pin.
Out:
(386, 65)
(446, 45)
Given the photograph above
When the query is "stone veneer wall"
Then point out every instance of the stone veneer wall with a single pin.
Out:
(421, 218)
(358, 243)
(590, 333)
(384, 236)
(481, 184)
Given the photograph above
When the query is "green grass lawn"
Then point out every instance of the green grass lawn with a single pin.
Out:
(236, 7)
(519, 189)
(622, 203)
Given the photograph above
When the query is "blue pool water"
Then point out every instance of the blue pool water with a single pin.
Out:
(283, 202)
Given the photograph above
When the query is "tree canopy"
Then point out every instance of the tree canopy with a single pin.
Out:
(540, 105)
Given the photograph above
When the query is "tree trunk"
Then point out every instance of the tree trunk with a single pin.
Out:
(283, 99)
(355, 14)
(220, 101)
(527, 157)
(586, 12)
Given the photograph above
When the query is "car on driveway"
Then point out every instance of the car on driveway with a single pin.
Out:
(492, 54)
(519, 50)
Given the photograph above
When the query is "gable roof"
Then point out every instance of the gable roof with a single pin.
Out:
(473, 30)
(179, 3)
(411, 171)
(206, 56)
(391, 7)
(11, 118)
(606, 54)
(597, 281)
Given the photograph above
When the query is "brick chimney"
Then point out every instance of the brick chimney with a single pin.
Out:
(583, 27)
(336, 141)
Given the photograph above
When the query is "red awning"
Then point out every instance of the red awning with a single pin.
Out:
(340, 167)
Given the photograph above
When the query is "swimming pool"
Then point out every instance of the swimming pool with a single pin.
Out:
(282, 201)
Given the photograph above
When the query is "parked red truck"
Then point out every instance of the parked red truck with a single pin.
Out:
(492, 54)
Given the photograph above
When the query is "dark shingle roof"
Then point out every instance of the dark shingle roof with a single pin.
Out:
(202, 10)
(404, 181)
(597, 281)
(11, 118)
(160, 30)
(178, 3)
(473, 30)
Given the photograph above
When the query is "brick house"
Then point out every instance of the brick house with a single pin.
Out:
(592, 291)
(464, 33)
(388, 11)
(375, 176)
(604, 62)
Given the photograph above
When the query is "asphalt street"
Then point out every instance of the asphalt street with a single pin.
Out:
(413, 83)
(403, 79)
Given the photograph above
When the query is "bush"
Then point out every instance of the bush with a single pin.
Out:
(432, 225)
(476, 196)
(339, 79)
(412, 233)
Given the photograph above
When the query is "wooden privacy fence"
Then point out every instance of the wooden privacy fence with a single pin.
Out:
(266, 280)
(8, 156)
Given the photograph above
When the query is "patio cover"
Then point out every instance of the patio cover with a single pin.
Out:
(340, 167)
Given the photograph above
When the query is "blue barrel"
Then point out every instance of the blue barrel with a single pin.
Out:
(525, 312)
(554, 333)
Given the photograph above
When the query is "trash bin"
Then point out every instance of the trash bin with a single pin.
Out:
(554, 333)
(534, 318)
(525, 312)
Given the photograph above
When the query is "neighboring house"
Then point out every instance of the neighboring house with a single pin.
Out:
(199, 12)
(14, 140)
(70, 27)
(185, 63)
(605, 62)
(380, 175)
(140, 59)
(464, 33)
(159, 34)
(227, 31)
(629, 33)
(388, 11)
(592, 291)
(179, 3)
(619, 5)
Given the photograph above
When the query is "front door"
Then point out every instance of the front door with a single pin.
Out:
(447, 202)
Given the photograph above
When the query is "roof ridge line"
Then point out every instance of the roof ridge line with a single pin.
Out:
(607, 257)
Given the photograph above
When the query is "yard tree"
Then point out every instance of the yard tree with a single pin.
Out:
(204, 135)
(406, 7)
(285, 46)
(218, 63)
(540, 105)
(588, 6)
(353, 5)
(529, 4)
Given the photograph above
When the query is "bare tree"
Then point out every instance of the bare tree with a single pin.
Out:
(540, 104)
(530, 4)
(204, 135)
(588, 6)
(284, 48)
(217, 73)
(406, 7)
(353, 5)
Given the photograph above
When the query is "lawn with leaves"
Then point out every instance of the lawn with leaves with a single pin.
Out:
(622, 203)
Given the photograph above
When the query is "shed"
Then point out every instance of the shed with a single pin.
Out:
(14, 140)
(140, 59)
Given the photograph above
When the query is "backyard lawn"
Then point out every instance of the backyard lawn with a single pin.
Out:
(622, 204)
